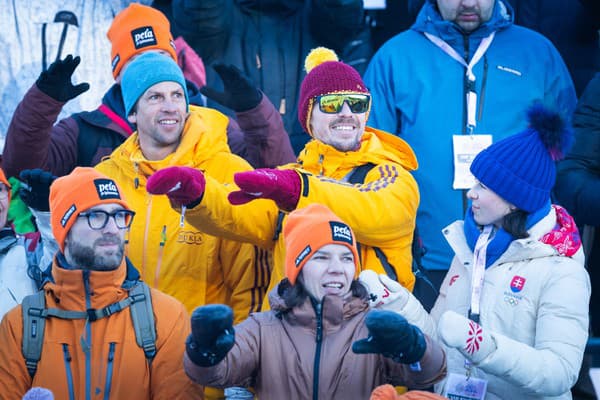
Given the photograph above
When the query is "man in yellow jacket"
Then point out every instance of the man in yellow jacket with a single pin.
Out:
(88, 333)
(172, 255)
(381, 209)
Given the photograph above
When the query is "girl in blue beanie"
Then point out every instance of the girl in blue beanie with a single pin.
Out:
(513, 308)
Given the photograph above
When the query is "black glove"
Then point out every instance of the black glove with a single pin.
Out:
(56, 80)
(391, 335)
(212, 334)
(239, 94)
(35, 190)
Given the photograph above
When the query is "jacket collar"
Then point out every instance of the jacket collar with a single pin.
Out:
(71, 287)
(376, 147)
(430, 20)
(335, 310)
(204, 135)
(519, 250)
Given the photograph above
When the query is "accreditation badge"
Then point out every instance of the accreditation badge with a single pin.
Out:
(465, 148)
(462, 387)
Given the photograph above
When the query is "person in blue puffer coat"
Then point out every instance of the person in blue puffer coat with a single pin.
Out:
(419, 82)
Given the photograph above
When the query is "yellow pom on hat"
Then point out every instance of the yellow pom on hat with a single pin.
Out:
(319, 56)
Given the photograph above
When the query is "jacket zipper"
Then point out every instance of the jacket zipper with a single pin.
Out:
(319, 338)
(86, 338)
(466, 84)
(109, 370)
(68, 359)
(161, 250)
(483, 84)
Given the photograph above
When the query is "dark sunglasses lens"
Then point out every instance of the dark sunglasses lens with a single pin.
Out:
(358, 103)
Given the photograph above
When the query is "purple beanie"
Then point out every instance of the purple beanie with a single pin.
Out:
(325, 75)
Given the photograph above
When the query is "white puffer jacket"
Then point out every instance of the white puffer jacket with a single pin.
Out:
(540, 331)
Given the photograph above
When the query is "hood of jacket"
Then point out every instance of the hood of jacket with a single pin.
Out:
(430, 20)
(335, 310)
(377, 147)
(199, 142)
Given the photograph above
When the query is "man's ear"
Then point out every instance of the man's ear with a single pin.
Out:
(132, 118)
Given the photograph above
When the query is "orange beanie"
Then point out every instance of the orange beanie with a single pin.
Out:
(387, 392)
(5, 181)
(74, 193)
(136, 29)
(307, 230)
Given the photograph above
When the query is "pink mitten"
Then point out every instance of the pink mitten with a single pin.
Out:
(190, 63)
(282, 186)
(183, 185)
(466, 336)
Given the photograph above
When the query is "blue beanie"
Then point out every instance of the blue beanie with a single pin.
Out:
(147, 70)
(520, 168)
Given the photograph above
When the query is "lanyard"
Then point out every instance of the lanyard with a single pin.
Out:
(471, 94)
(479, 256)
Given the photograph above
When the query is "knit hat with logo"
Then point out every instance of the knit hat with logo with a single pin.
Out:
(145, 71)
(325, 74)
(136, 29)
(521, 168)
(72, 194)
(307, 230)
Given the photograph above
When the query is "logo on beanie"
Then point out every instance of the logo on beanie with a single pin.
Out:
(67, 215)
(106, 189)
(341, 232)
(143, 37)
(302, 255)
(116, 61)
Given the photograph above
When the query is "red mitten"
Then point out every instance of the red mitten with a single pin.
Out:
(183, 185)
(281, 185)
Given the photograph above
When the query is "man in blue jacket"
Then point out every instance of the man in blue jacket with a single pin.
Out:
(458, 80)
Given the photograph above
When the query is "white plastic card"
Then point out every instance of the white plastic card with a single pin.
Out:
(459, 387)
(465, 148)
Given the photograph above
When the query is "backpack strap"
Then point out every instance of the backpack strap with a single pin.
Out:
(358, 175)
(34, 321)
(35, 314)
(142, 316)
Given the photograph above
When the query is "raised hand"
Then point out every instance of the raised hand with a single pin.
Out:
(280, 185)
(56, 80)
(35, 190)
(239, 93)
(384, 293)
(182, 185)
(391, 335)
(212, 334)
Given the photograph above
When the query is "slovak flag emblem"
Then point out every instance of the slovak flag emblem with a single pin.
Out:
(517, 283)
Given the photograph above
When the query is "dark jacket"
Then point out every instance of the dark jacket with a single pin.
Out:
(578, 176)
(83, 139)
(578, 185)
(269, 39)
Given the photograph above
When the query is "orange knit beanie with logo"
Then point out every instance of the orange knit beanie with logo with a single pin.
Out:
(72, 194)
(307, 230)
(136, 29)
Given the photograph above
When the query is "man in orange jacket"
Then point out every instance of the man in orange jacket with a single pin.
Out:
(89, 322)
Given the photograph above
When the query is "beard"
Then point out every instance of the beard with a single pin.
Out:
(88, 257)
